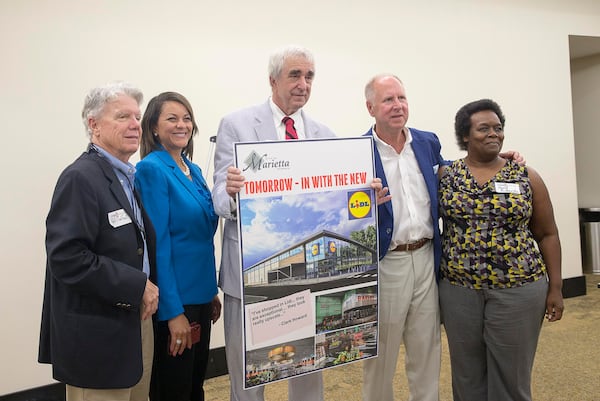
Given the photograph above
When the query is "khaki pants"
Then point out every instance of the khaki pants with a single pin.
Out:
(139, 392)
(408, 313)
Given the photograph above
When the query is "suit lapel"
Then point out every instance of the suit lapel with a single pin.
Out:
(311, 130)
(115, 185)
(379, 170)
(170, 165)
(264, 128)
(423, 159)
(422, 152)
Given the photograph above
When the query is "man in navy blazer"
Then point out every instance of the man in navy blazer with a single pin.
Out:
(96, 328)
(406, 160)
(291, 72)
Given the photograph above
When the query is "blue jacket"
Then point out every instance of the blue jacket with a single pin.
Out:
(426, 147)
(185, 223)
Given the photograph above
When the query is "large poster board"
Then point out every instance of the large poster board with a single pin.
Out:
(307, 223)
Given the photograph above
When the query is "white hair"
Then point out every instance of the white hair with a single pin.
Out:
(97, 98)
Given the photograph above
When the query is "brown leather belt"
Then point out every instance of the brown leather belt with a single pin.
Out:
(413, 246)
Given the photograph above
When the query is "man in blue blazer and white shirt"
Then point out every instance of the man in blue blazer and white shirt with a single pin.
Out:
(406, 160)
(291, 73)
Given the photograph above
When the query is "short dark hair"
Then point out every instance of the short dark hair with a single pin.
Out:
(462, 121)
(150, 120)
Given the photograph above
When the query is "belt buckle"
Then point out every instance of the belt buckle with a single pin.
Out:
(401, 248)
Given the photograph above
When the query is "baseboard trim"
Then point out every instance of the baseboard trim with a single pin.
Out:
(51, 392)
(217, 363)
(217, 366)
(574, 287)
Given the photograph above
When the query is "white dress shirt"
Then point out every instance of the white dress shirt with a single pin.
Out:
(280, 126)
(410, 198)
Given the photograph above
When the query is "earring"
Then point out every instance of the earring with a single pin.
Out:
(155, 134)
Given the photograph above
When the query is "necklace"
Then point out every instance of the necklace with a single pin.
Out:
(186, 169)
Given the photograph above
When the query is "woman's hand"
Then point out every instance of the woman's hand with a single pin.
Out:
(181, 335)
(554, 305)
(216, 309)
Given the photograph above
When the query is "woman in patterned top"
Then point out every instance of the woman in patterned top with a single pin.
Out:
(501, 262)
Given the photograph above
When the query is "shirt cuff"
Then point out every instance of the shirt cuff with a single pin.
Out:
(233, 208)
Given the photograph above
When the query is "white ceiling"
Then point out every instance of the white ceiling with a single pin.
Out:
(583, 46)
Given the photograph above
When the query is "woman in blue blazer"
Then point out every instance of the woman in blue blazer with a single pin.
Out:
(179, 204)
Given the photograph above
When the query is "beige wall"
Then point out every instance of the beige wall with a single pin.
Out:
(447, 52)
(585, 80)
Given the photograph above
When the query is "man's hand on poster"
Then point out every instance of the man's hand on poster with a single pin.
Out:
(235, 181)
(381, 194)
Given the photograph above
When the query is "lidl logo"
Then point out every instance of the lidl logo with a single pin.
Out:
(315, 249)
(359, 205)
(332, 247)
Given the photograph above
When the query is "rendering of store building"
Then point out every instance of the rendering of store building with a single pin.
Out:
(322, 255)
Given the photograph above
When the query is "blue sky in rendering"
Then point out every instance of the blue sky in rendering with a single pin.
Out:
(273, 223)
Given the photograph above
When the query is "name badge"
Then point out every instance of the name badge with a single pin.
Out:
(507, 188)
(118, 218)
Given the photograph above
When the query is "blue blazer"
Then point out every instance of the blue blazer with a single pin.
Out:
(426, 147)
(185, 222)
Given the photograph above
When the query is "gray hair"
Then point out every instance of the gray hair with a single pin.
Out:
(97, 98)
(278, 58)
(369, 87)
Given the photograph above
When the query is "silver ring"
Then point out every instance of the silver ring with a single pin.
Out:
(178, 341)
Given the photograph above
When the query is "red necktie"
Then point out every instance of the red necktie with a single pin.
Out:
(290, 131)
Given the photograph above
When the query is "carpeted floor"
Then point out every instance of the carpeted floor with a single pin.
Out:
(567, 365)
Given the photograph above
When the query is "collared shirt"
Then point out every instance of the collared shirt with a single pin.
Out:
(126, 174)
(280, 126)
(410, 198)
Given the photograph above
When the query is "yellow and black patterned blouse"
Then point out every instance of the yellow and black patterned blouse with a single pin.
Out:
(486, 242)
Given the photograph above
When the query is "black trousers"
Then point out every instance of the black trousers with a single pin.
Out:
(181, 377)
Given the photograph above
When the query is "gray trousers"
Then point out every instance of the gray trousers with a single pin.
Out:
(492, 338)
(304, 388)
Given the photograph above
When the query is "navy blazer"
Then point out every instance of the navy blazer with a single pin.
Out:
(185, 224)
(90, 330)
(427, 148)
